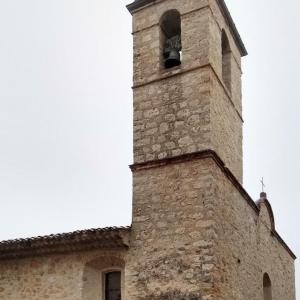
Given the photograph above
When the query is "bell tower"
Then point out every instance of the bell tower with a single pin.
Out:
(187, 123)
(187, 81)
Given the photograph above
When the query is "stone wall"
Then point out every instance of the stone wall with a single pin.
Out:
(247, 248)
(226, 129)
(188, 108)
(194, 231)
(173, 233)
(172, 117)
(58, 277)
(195, 234)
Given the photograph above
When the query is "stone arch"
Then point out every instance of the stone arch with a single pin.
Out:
(267, 287)
(170, 38)
(226, 61)
(93, 276)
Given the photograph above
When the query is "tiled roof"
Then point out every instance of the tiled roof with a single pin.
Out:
(101, 238)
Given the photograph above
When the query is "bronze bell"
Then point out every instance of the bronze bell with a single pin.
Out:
(173, 59)
(172, 52)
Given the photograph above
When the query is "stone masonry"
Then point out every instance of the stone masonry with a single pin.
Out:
(196, 234)
(220, 244)
(189, 108)
(173, 232)
(73, 276)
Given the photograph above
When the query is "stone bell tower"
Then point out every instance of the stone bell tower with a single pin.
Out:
(187, 125)
(196, 234)
(195, 105)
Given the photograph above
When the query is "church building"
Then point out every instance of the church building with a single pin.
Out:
(196, 234)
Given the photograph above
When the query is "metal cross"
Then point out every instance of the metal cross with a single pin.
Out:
(262, 184)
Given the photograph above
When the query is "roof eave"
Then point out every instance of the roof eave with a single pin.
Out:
(91, 239)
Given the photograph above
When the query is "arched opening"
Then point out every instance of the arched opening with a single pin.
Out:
(170, 39)
(103, 279)
(267, 287)
(226, 61)
(112, 285)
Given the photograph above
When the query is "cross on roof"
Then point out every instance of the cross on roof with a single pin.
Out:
(262, 185)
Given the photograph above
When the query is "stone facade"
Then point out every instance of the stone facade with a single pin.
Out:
(196, 234)
(173, 232)
(75, 276)
(248, 246)
(189, 108)
(194, 227)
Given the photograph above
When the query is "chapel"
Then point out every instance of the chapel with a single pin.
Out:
(196, 234)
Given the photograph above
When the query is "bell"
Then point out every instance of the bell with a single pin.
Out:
(173, 59)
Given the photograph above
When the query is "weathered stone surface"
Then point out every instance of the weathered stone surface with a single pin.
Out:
(203, 235)
(196, 234)
(247, 248)
(189, 108)
(58, 277)
(171, 248)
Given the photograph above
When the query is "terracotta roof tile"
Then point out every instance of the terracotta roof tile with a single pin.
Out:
(101, 238)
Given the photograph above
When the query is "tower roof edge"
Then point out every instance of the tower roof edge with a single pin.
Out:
(235, 33)
(137, 4)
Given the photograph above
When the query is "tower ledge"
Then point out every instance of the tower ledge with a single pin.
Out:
(210, 154)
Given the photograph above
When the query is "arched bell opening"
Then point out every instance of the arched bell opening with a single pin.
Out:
(267, 287)
(226, 61)
(170, 39)
(103, 279)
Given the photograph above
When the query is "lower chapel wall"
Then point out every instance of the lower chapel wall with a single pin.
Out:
(247, 249)
(58, 277)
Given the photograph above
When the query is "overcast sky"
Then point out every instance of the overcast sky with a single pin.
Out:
(66, 113)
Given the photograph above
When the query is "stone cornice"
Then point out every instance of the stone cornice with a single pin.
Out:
(214, 156)
(139, 4)
(92, 239)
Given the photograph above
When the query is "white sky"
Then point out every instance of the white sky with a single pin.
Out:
(66, 113)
